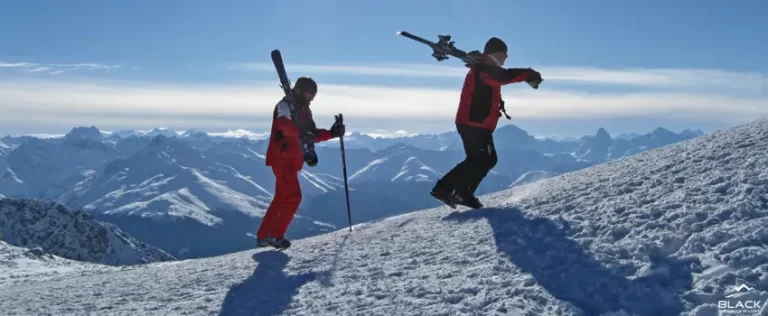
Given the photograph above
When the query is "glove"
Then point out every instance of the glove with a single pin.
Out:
(534, 79)
(337, 130)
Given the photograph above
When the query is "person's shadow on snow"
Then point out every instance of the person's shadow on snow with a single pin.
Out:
(561, 266)
(268, 291)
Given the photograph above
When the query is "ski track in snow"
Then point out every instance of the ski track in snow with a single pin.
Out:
(664, 232)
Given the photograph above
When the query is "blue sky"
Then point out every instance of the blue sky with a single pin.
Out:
(626, 66)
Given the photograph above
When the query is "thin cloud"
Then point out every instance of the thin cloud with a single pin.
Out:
(667, 78)
(39, 69)
(12, 65)
(395, 70)
(40, 102)
(56, 69)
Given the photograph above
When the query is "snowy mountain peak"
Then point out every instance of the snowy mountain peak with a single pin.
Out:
(162, 143)
(124, 133)
(603, 135)
(71, 234)
(414, 170)
(167, 132)
(82, 133)
(663, 132)
(513, 133)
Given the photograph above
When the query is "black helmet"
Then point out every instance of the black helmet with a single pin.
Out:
(305, 84)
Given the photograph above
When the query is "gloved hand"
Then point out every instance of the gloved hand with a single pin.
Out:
(337, 130)
(534, 79)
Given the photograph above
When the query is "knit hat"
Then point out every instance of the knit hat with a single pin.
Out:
(494, 45)
(305, 84)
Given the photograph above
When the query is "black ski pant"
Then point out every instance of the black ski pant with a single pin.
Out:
(481, 157)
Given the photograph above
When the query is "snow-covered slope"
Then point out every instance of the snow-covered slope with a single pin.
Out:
(19, 265)
(532, 176)
(667, 232)
(170, 177)
(397, 168)
(4, 149)
(71, 234)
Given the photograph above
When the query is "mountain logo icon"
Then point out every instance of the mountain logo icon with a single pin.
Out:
(738, 289)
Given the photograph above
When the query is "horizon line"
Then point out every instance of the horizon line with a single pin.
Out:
(380, 133)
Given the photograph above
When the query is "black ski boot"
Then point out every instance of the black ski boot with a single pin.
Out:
(468, 201)
(281, 243)
(270, 241)
(444, 196)
(264, 242)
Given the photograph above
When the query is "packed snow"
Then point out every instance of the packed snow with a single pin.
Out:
(19, 265)
(532, 176)
(679, 230)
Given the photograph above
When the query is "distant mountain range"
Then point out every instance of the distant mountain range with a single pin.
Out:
(193, 194)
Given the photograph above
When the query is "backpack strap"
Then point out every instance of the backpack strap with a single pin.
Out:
(503, 110)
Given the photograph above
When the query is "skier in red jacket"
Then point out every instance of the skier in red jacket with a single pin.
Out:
(284, 155)
(478, 113)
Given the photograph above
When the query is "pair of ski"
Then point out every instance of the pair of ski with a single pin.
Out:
(306, 138)
(445, 47)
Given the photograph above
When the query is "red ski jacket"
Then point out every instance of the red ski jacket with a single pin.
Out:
(284, 149)
(481, 94)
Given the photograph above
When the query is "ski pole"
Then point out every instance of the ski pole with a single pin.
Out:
(340, 120)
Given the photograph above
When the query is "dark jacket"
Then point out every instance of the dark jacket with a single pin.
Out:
(481, 93)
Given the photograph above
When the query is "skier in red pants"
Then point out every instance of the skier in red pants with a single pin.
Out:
(284, 155)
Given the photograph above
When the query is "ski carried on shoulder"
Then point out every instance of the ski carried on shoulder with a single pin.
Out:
(306, 138)
(445, 47)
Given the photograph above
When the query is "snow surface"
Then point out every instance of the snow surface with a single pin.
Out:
(19, 265)
(532, 176)
(71, 234)
(665, 232)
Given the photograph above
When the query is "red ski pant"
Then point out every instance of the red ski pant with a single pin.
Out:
(284, 204)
